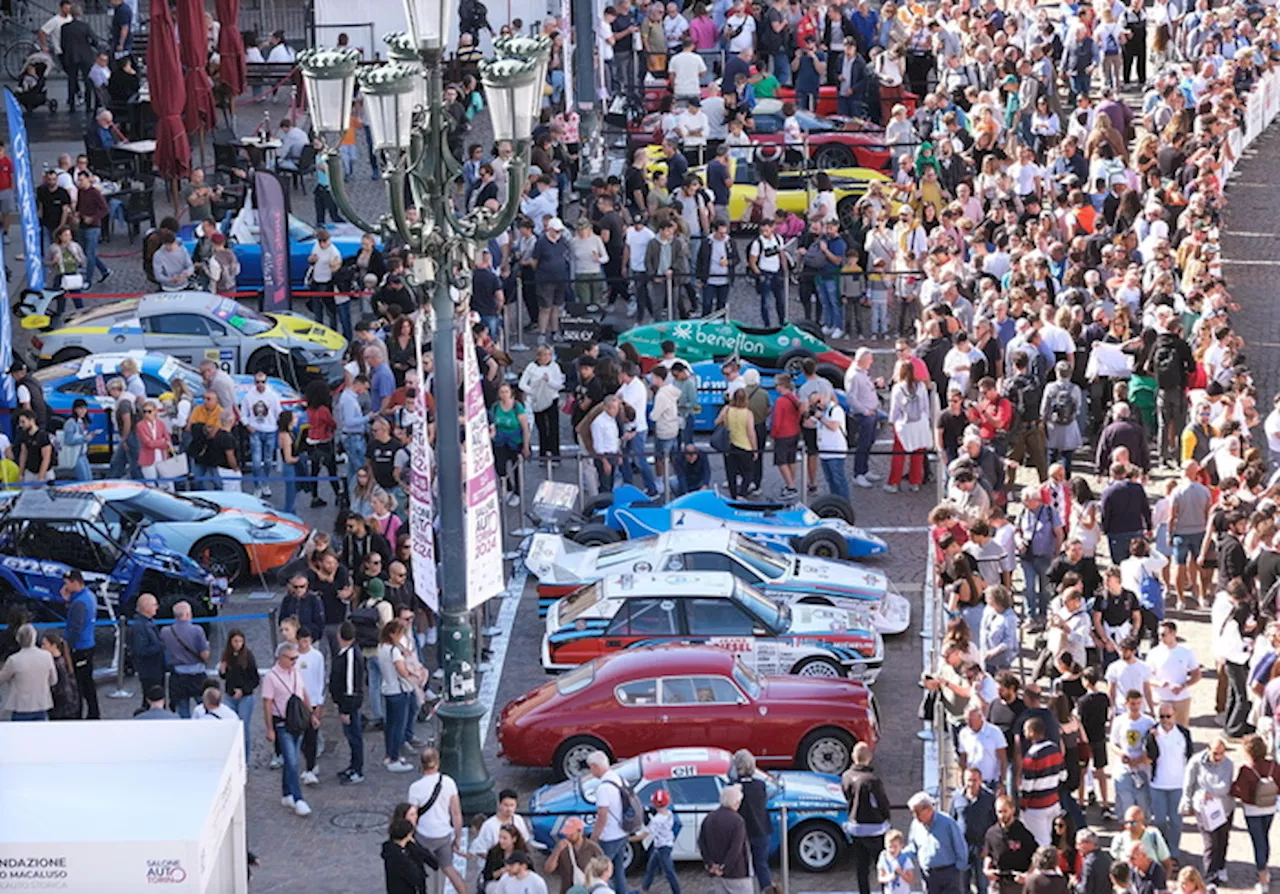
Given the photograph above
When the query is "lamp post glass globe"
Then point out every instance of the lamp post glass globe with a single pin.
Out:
(401, 48)
(514, 88)
(430, 21)
(388, 100)
(329, 77)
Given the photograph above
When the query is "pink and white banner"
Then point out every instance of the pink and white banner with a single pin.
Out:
(421, 507)
(479, 486)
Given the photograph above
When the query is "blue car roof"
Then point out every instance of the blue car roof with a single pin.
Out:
(48, 503)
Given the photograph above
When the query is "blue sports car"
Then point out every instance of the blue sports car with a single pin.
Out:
(241, 230)
(816, 805)
(44, 532)
(824, 529)
(86, 377)
(712, 387)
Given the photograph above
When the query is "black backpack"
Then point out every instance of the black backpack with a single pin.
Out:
(1022, 393)
(1062, 407)
(365, 620)
(296, 716)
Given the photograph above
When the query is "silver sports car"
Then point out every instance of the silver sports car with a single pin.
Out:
(198, 326)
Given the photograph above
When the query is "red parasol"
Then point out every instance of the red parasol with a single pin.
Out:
(231, 70)
(164, 76)
(199, 114)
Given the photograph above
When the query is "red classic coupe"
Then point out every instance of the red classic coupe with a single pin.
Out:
(671, 696)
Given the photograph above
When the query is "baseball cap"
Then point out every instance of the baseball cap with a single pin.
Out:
(555, 224)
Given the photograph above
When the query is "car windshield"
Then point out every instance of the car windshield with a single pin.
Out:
(156, 505)
(245, 319)
(577, 679)
(628, 770)
(772, 614)
(57, 371)
(573, 605)
(746, 679)
(614, 553)
(761, 559)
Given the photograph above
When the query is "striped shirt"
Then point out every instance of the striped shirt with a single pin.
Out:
(1042, 772)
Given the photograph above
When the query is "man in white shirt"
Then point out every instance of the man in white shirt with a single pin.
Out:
(693, 128)
(666, 416)
(833, 444)
(50, 33)
(1168, 774)
(310, 667)
(1272, 428)
(1130, 766)
(1127, 674)
(741, 28)
(100, 73)
(292, 141)
(487, 837)
(280, 51)
(439, 819)
(260, 411)
(635, 395)
(606, 442)
(686, 69)
(983, 746)
(607, 831)
(1174, 670)
(211, 706)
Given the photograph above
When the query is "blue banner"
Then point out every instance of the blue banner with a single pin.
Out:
(8, 391)
(24, 186)
(273, 238)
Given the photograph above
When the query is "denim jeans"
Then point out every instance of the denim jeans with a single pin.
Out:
(714, 297)
(289, 746)
(354, 731)
(262, 453)
(633, 454)
(243, 707)
(356, 447)
(616, 850)
(1129, 793)
(829, 298)
(759, 861)
(866, 428)
(203, 477)
(660, 859)
(1165, 816)
(1039, 591)
(83, 471)
(125, 457)
(348, 153)
(91, 236)
(880, 326)
(782, 69)
(375, 687)
(395, 729)
(837, 481)
(343, 312)
(289, 472)
(1259, 833)
(1119, 544)
(771, 285)
(20, 716)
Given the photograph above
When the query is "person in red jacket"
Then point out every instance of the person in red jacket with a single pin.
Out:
(993, 415)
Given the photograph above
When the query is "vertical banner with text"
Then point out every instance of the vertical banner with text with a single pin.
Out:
(421, 507)
(480, 486)
(24, 188)
(273, 236)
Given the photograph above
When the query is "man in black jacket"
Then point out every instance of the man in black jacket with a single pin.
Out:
(722, 841)
(347, 688)
(973, 807)
(1010, 847)
(148, 651)
(868, 814)
(1095, 865)
(79, 50)
(1123, 432)
(1172, 362)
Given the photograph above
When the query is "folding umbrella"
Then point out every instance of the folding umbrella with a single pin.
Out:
(164, 77)
(198, 115)
(231, 70)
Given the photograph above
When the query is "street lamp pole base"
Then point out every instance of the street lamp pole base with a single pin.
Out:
(462, 758)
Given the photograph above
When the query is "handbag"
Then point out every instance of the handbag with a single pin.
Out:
(71, 282)
(720, 439)
(175, 466)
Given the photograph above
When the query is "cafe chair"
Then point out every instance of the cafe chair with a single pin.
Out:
(306, 165)
(140, 206)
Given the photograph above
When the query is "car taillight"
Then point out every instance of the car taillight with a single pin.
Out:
(37, 343)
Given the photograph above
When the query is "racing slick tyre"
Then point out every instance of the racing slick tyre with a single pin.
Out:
(833, 156)
(823, 543)
(222, 557)
(816, 845)
(826, 750)
(818, 667)
(597, 503)
(832, 506)
(833, 374)
(793, 359)
(570, 759)
(596, 535)
(269, 361)
(68, 354)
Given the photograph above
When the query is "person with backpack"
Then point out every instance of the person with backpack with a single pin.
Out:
(287, 713)
(367, 619)
(619, 815)
(1039, 533)
(1061, 408)
(439, 829)
(1256, 787)
(1027, 440)
(1173, 364)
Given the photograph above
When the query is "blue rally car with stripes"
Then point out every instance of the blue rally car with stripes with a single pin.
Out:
(562, 566)
(815, 803)
(625, 611)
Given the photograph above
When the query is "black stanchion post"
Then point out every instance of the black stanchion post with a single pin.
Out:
(273, 619)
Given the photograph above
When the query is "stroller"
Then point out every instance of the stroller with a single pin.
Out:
(32, 91)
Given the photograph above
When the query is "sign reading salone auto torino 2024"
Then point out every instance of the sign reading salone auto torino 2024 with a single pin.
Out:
(480, 486)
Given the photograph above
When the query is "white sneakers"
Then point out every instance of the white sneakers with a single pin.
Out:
(287, 801)
(302, 809)
(397, 766)
(276, 763)
(862, 481)
(310, 778)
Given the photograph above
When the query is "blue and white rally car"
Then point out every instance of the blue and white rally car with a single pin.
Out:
(45, 532)
(815, 803)
(562, 566)
(824, 529)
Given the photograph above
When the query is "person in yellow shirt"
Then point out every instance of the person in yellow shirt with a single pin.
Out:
(739, 423)
(209, 413)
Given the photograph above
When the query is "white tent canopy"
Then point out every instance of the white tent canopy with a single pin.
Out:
(115, 806)
(365, 23)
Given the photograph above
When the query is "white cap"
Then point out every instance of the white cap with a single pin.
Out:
(555, 224)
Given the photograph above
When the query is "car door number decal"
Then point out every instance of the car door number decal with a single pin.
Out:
(684, 770)
(224, 357)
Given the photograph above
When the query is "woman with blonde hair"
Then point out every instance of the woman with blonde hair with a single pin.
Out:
(598, 872)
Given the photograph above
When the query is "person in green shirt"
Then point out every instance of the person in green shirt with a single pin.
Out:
(509, 428)
(765, 86)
